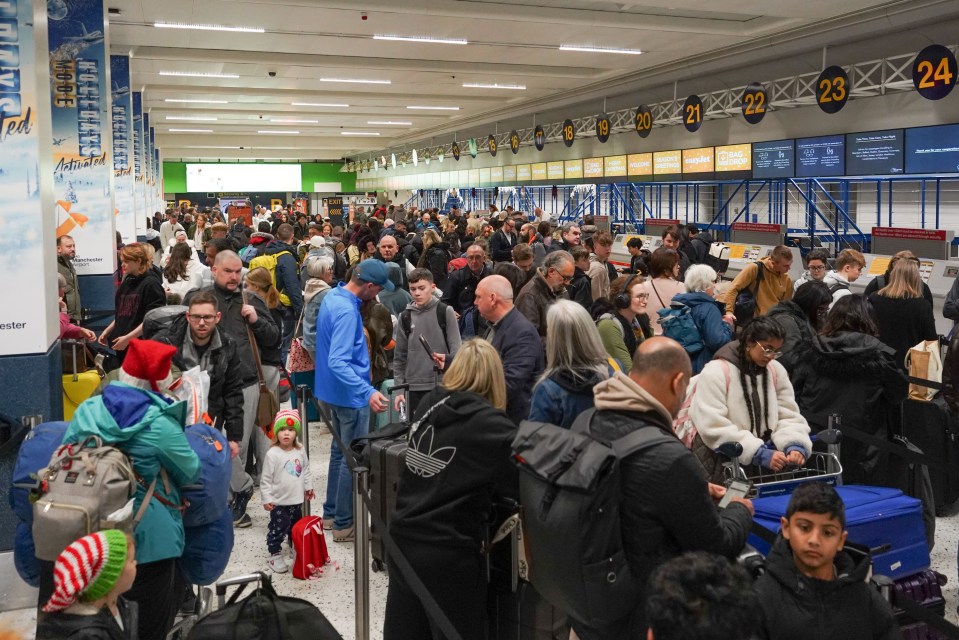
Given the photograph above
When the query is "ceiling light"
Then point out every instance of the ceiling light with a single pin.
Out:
(586, 49)
(278, 131)
(196, 101)
(356, 80)
(390, 122)
(192, 118)
(293, 121)
(422, 39)
(195, 74)
(203, 146)
(480, 85)
(359, 133)
(206, 27)
(191, 130)
(434, 108)
(318, 104)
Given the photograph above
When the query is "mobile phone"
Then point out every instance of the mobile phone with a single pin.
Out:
(736, 489)
(426, 345)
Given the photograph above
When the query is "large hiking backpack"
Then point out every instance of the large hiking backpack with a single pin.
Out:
(745, 307)
(208, 498)
(570, 492)
(269, 263)
(207, 549)
(162, 318)
(678, 324)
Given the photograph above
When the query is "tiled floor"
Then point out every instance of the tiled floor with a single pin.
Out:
(333, 592)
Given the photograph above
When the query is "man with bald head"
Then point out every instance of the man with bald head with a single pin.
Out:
(515, 339)
(236, 315)
(388, 250)
(666, 505)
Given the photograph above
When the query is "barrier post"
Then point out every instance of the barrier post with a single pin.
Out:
(361, 552)
(303, 396)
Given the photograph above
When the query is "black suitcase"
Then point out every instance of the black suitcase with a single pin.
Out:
(925, 589)
(935, 430)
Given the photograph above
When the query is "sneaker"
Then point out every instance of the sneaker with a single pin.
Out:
(188, 606)
(278, 563)
(328, 524)
(240, 501)
(243, 522)
(344, 535)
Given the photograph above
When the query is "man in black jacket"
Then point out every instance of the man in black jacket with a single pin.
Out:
(460, 289)
(199, 343)
(666, 506)
(287, 282)
(501, 243)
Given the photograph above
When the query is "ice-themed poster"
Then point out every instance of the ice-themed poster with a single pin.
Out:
(82, 137)
(123, 180)
(144, 211)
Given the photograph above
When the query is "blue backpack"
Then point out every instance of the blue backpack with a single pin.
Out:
(207, 549)
(209, 497)
(248, 252)
(678, 324)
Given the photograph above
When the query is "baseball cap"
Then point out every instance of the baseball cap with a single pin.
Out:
(375, 272)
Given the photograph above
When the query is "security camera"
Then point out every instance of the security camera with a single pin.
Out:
(272, 74)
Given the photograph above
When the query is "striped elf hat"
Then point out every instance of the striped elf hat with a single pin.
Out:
(88, 569)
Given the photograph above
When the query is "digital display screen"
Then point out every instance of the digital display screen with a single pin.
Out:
(822, 156)
(614, 166)
(734, 157)
(667, 163)
(243, 178)
(774, 159)
(874, 153)
(933, 149)
(573, 169)
(698, 160)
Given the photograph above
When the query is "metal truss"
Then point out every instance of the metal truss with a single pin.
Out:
(867, 79)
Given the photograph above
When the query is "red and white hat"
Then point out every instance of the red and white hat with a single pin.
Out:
(88, 569)
(147, 365)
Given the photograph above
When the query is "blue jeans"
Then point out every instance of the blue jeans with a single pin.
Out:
(349, 424)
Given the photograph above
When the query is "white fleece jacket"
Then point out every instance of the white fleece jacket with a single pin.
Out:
(721, 416)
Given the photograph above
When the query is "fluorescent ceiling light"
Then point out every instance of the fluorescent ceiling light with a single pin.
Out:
(206, 27)
(195, 74)
(390, 122)
(203, 146)
(359, 133)
(192, 118)
(433, 108)
(278, 132)
(191, 130)
(318, 104)
(422, 39)
(587, 49)
(293, 121)
(197, 101)
(356, 81)
(480, 85)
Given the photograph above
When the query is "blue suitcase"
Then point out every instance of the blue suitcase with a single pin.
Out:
(883, 519)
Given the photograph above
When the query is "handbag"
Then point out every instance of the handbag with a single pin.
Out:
(745, 307)
(267, 404)
(924, 361)
(299, 359)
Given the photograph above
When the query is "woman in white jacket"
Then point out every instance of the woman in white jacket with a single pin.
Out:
(744, 395)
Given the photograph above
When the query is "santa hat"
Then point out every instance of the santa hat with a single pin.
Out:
(286, 419)
(88, 569)
(147, 365)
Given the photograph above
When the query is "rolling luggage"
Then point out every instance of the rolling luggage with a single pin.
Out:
(391, 415)
(882, 519)
(80, 377)
(924, 589)
(935, 430)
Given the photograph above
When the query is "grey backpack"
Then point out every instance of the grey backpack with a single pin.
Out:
(87, 487)
(570, 492)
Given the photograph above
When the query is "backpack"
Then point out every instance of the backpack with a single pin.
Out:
(309, 545)
(86, 487)
(269, 262)
(207, 549)
(746, 300)
(678, 324)
(406, 322)
(207, 499)
(161, 319)
(248, 252)
(570, 492)
(836, 286)
(456, 264)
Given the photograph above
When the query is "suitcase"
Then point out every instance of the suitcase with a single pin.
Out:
(882, 519)
(80, 381)
(391, 415)
(933, 428)
(925, 589)
(387, 459)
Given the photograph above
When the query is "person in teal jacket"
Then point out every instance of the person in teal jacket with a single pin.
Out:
(135, 416)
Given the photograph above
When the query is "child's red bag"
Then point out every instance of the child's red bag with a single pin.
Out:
(309, 544)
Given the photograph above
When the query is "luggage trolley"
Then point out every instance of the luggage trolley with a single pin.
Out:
(819, 467)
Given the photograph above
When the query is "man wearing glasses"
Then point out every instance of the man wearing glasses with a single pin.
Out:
(817, 264)
(547, 285)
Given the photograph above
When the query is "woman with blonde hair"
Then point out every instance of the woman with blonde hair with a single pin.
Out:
(139, 292)
(457, 463)
(903, 316)
(436, 257)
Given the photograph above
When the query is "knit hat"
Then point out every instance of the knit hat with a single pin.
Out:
(147, 365)
(90, 567)
(284, 419)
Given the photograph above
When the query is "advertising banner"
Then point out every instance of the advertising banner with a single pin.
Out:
(123, 179)
(148, 167)
(82, 136)
(143, 211)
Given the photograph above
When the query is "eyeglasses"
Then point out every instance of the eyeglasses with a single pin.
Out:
(823, 268)
(641, 296)
(770, 353)
(199, 318)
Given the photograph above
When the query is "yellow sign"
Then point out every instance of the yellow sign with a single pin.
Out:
(698, 160)
(593, 168)
(573, 169)
(474, 177)
(496, 174)
(523, 172)
(484, 175)
(879, 266)
(734, 157)
(667, 162)
(737, 251)
(509, 173)
(614, 166)
(464, 177)
(554, 170)
(639, 164)
(539, 171)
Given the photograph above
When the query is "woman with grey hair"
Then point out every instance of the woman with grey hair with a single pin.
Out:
(576, 361)
(707, 313)
(319, 270)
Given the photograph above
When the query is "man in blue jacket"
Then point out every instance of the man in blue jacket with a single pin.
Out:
(515, 339)
(343, 382)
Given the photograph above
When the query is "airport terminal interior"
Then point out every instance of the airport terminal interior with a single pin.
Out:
(815, 125)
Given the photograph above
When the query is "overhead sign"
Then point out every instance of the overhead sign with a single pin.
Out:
(693, 113)
(639, 164)
(614, 166)
(491, 144)
(733, 157)
(593, 168)
(539, 138)
(909, 234)
(509, 173)
(643, 121)
(554, 170)
(832, 89)
(698, 160)
(122, 122)
(539, 171)
(569, 132)
(573, 169)
(603, 127)
(456, 151)
(524, 173)
(754, 103)
(934, 72)
(472, 147)
(514, 142)
(667, 163)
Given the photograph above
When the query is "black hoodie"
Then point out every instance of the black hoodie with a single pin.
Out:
(457, 463)
(100, 626)
(796, 607)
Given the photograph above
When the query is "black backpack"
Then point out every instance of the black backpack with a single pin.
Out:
(746, 300)
(406, 322)
(570, 492)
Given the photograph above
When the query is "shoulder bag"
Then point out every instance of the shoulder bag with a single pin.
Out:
(267, 404)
